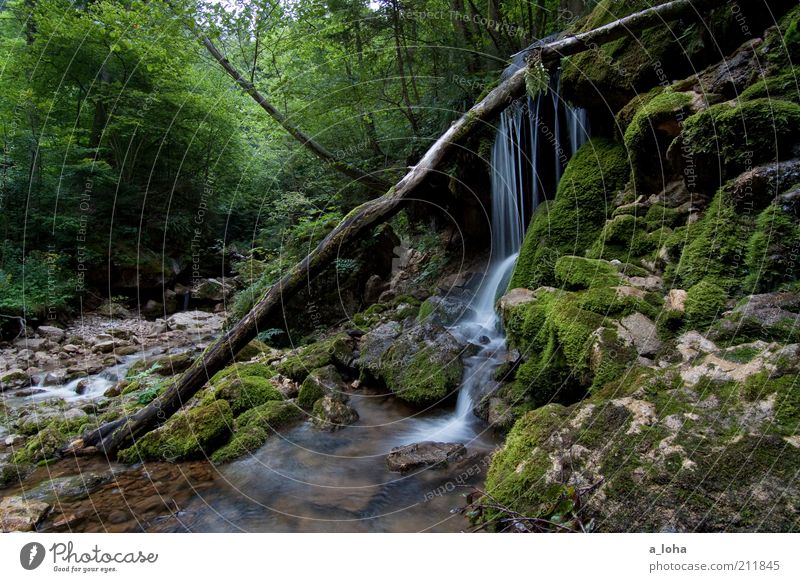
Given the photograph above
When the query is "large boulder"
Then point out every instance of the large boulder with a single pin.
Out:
(421, 365)
(424, 454)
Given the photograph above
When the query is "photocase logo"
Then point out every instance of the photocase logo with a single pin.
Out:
(31, 555)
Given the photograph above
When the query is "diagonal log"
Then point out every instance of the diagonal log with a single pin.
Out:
(118, 434)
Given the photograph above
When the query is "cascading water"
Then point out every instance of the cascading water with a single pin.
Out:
(529, 135)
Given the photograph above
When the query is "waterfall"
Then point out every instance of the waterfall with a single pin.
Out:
(528, 140)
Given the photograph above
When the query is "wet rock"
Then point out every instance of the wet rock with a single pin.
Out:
(33, 343)
(374, 344)
(71, 348)
(25, 392)
(54, 334)
(755, 189)
(20, 514)
(332, 413)
(424, 454)
(71, 488)
(423, 365)
(443, 310)
(105, 347)
(55, 378)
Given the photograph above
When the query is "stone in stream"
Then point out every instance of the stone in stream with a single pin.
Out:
(424, 454)
(331, 413)
(20, 514)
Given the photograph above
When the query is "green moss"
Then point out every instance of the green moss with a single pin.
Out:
(315, 385)
(625, 238)
(716, 246)
(238, 370)
(271, 415)
(647, 142)
(252, 350)
(771, 251)
(741, 354)
(581, 273)
(44, 446)
(659, 216)
(246, 441)
(193, 433)
(781, 86)
(629, 111)
(335, 350)
(553, 333)
(517, 471)
(705, 302)
(246, 392)
(738, 137)
(427, 377)
(425, 310)
(569, 224)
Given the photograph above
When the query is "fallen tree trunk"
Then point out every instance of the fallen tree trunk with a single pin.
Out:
(120, 433)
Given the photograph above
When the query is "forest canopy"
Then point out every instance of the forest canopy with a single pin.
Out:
(126, 147)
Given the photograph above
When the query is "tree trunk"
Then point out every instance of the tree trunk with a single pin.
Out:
(120, 433)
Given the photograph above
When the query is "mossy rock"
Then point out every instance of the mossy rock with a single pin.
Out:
(245, 441)
(649, 135)
(254, 427)
(319, 382)
(270, 415)
(163, 365)
(625, 238)
(571, 223)
(423, 366)
(336, 350)
(704, 304)
(246, 392)
(517, 471)
(252, 350)
(189, 434)
(715, 247)
(244, 369)
(771, 251)
(554, 335)
(734, 138)
(582, 273)
(783, 85)
(41, 448)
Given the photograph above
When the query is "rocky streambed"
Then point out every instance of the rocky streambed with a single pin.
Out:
(344, 454)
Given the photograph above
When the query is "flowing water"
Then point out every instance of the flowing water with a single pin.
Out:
(306, 480)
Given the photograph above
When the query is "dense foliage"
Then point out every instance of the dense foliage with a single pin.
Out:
(130, 160)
